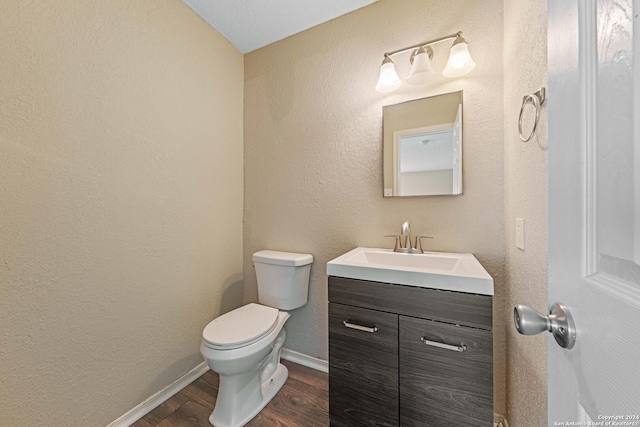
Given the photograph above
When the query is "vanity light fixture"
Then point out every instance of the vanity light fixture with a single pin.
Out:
(459, 63)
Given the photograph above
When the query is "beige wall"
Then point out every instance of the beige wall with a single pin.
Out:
(313, 149)
(121, 202)
(426, 182)
(525, 62)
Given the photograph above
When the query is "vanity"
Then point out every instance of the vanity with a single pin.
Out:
(410, 339)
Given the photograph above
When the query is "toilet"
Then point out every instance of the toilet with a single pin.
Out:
(243, 346)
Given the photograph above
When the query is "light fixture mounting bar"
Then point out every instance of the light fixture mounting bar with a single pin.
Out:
(415, 46)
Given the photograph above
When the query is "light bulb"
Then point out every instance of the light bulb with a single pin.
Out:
(421, 70)
(460, 62)
(388, 80)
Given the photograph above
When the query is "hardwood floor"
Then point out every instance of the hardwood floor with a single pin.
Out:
(303, 401)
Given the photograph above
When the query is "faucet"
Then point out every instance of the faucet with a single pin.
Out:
(406, 232)
(403, 241)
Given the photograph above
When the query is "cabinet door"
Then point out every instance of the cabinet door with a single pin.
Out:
(363, 367)
(443, 386)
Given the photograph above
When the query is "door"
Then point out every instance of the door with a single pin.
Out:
(594, 208)
(457, 152)
(448, 381)
(363, 367)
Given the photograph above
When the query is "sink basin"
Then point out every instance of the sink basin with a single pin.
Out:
(437, 270)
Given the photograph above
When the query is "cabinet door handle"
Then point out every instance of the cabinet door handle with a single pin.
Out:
(462, 347)
(360, 327)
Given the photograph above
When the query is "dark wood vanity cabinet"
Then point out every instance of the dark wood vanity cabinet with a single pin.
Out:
(439, 386)
(360, 357)
(417, 356)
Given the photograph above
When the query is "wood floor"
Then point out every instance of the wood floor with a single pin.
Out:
(303, 401)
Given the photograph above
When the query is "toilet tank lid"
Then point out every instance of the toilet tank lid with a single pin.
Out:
(282, 258)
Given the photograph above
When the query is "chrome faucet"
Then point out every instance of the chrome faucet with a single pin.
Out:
(403, 241)
(406, 232)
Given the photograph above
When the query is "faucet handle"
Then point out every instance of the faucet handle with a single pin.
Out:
(418, 245)
(397, 237)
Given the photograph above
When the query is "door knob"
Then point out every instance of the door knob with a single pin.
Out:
(559, 322)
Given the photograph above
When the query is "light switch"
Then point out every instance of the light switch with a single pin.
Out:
(520, 233)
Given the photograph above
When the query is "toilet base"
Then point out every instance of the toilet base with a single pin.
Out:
(269, 388)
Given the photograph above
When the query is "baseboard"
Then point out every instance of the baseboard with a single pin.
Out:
(154, 401)
(304, 360)
(500, 421)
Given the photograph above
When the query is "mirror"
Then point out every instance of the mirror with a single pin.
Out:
(422, 151)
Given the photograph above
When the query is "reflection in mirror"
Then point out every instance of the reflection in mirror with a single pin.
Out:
(422, 151)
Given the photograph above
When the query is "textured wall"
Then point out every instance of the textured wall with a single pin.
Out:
(525, 61)
(121, 202)
(313, 149)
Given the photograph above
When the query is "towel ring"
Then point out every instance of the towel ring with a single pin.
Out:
(537, 99)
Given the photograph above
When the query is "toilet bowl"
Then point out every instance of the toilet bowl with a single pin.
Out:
(250, 374)
(243, 346)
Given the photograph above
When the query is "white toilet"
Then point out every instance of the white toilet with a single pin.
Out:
(243, 346)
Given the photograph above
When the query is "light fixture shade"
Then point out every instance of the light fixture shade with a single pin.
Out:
(388, 80)
(421, 70)
(460, 62)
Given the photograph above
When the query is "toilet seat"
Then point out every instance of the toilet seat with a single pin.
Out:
(240, 327)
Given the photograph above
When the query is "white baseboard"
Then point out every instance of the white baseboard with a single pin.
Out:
(154, 401)
(499, 421)
(304, 360)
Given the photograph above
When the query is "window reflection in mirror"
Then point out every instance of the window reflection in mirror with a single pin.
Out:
(422, 152)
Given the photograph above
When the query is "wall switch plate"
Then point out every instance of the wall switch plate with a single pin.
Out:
(520, 233)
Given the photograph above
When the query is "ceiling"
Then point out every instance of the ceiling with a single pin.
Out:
(252, 24)
(427, 151)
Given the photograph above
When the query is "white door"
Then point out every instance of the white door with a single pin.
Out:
(593, 112)
(457, 152)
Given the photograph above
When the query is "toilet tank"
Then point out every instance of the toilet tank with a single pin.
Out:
(283, 278)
